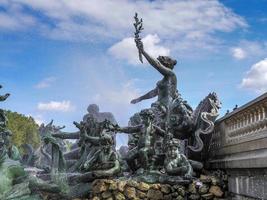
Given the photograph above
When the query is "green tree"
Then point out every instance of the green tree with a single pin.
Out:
(24, 129)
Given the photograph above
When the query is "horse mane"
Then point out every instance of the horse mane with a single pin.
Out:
(203, 119)
(203, 106)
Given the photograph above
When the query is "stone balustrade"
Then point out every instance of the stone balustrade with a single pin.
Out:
(244, 124)
(239, 146)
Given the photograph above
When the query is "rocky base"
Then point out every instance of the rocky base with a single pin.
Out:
(212, 185)
(206, 187)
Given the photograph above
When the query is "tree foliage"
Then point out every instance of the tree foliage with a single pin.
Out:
(24, 129)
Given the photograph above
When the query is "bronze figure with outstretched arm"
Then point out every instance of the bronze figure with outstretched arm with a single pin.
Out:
(166, 89)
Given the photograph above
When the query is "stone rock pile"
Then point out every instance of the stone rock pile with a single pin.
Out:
(206, 187)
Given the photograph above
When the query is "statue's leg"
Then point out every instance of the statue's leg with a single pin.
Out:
(36, 184)
(78, 164)
(55, 160)
(154, 159)
(62, 162)
(130, 158)
(196, 165)
(143, 153)
(85, 152)
(92, 161)
(90, 152)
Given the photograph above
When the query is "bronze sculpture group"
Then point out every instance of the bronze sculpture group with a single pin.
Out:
(167, 141)
(15, 182)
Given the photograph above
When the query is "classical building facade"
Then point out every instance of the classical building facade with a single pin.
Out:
(239, 146)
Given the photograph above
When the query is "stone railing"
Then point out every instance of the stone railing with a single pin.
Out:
(239, 145)
(247, 123)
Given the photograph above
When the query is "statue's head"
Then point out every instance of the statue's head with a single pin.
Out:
(167, 61)
(135, 120)
(147, 115)
(173, 148)
(133, 140)
(93, 108)
(106, 142)
(215, 100)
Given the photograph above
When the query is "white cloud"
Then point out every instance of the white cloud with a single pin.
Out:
(189, 22)
(256, 77)
(249, 49)
(119, 97)
(45, 83)
(126, 48)
(38, 119)
(107, 85)
(63, 106)
(14, 18)
(238, 53)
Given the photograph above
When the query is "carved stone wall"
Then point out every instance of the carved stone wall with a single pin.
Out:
(239, 146)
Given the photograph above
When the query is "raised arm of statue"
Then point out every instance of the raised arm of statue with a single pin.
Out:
(66, 135)
(154, 62)
(151, 94)
(129, 129)
(81, 126)
(4, 97)
(159, 131)
(78, 125)
(91, 139)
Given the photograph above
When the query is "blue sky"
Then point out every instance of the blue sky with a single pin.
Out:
(57, 57)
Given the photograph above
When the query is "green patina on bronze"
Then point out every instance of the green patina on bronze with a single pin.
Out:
(165, 143)
(15, 183)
